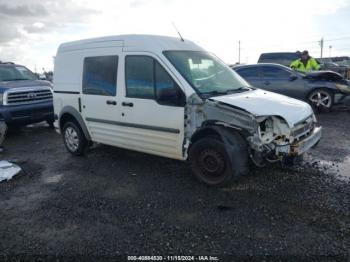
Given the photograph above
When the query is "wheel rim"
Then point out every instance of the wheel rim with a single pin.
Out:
(321, 99)
(71, 138)
(211, 164)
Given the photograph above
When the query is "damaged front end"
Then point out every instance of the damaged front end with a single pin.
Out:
(270, 138)
(276, 140)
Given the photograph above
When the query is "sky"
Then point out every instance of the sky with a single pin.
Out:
(31, 30)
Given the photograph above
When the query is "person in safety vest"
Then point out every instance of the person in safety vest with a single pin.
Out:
(305, 64)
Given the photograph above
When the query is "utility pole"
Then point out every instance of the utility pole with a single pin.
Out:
(321, 44)
(239, 51)
(330, 51)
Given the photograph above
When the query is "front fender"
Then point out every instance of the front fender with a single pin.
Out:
(235, 144)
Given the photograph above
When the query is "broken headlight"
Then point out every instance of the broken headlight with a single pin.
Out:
(273, 129)
(266, 130)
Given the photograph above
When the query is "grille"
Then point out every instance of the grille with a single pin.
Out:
(20, 97)
(303, 129)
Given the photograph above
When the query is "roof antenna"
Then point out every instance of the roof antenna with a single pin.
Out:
(178, 32)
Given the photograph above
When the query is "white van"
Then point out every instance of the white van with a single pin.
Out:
(169, 97)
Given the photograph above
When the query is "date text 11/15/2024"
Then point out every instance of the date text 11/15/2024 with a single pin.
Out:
(172, 258)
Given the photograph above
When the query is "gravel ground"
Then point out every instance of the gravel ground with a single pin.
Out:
(115, 202)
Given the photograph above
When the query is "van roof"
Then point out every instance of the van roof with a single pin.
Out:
(152, 43)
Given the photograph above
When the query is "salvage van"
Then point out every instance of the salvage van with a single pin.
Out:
(169, 97)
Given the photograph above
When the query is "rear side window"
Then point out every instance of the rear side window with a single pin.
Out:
(272, 72)
(250, 72)
(100, 75)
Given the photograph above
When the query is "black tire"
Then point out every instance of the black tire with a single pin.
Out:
(211, 163)
(14, 129)
(315, 99)
(74, 138)
(50, 123)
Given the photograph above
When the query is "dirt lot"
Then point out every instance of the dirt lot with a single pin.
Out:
(114, 202)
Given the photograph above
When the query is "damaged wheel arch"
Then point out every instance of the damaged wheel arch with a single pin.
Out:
(218, 154)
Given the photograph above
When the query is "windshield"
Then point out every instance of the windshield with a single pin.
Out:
(14, 73)
(206, 73)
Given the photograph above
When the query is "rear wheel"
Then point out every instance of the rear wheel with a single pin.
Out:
(321, 99)
(74, 139)
(211, 163)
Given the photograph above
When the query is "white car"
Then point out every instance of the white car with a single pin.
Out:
(169, 97)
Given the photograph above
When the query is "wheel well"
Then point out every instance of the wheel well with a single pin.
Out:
(65, 118)
(320, 88)
(234, 142)
(216, 132)
(205, 132)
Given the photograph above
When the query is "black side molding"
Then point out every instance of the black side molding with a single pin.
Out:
(67, 92)
(155, 128)
(74, 113)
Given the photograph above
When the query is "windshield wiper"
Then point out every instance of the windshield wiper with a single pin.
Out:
(230, 91)
(15, 79)
(239, 90)
(215, 93)
(243, 88)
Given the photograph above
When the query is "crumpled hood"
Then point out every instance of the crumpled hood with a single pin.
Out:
(263, 103)
(324, 75)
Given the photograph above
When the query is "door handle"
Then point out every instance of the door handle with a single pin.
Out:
(266, 83)
(129, 104)
(111, 102)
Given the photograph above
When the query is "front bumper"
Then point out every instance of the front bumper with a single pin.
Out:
(27, 114)
(304, 145)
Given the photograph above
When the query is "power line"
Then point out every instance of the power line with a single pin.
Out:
(342, 49)
(277, 45)
(338, 39)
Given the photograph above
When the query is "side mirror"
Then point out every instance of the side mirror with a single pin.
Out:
(293, 77)
(172, 96)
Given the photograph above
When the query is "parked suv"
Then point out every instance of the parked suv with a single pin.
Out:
(169, 97)
(23, 98)
(282, 58)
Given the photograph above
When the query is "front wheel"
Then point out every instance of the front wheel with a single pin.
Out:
(321, 99)
(74, 139)
(210, 163)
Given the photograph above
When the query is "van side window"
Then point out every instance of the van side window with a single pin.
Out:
(100, 75)
(147, 79)
(139, 74)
